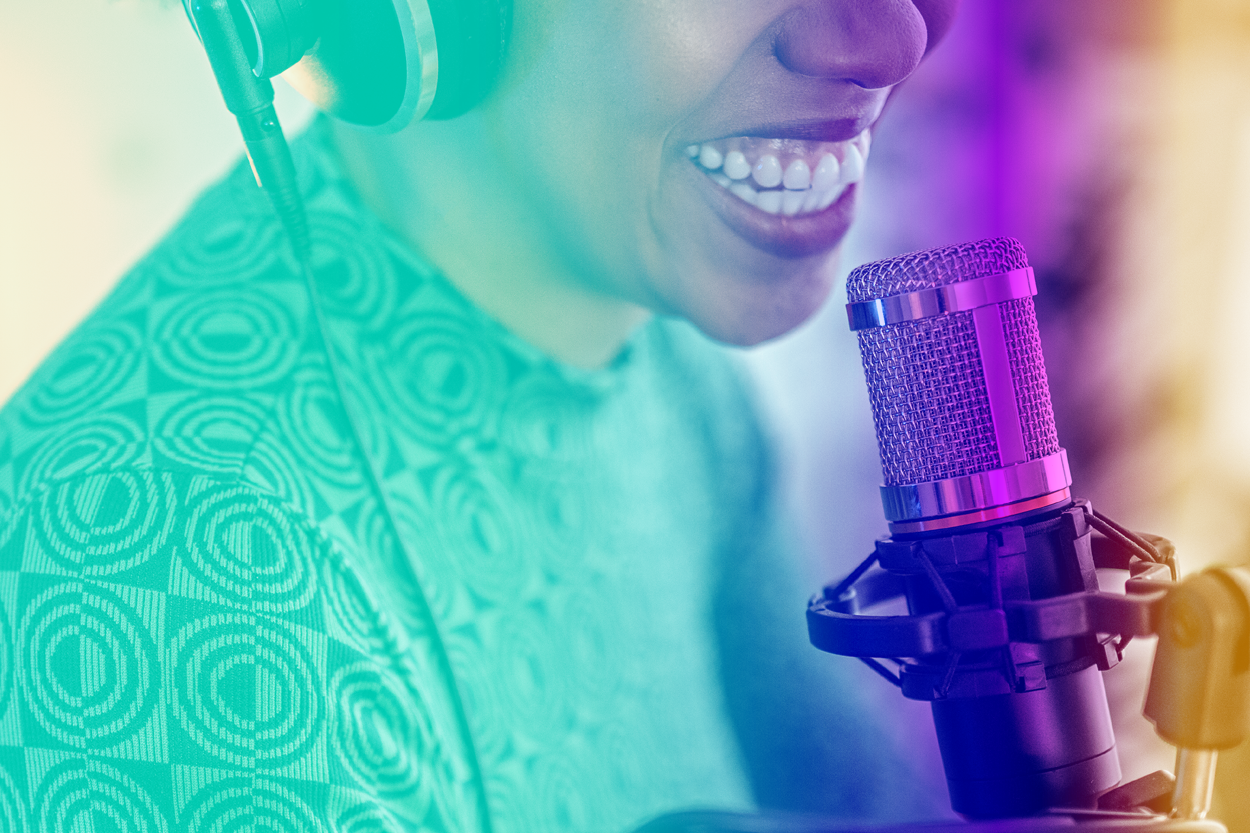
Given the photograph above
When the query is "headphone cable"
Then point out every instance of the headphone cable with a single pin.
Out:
(250, 99)
(296, 224)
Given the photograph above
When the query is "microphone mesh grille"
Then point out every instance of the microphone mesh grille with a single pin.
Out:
(925, 380)
(934, 267)
(931, 410)
(1024, 347)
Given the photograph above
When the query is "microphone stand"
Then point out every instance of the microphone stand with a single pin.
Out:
(1104, 822)
(1199, 692)
(1198, 696)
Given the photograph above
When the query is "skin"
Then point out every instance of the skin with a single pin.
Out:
(565, 205)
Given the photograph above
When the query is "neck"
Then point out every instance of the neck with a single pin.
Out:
(465, 221)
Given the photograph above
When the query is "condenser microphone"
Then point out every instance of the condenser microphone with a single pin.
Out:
(959, 394)
(977, 496)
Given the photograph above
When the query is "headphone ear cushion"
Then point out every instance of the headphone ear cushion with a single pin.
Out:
(358, 71)
(362, 72)
(472, 37)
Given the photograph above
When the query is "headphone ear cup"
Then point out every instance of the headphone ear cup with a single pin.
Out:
(472, 40)
(374, 65)
(379, 64)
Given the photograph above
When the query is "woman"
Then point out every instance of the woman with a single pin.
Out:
(506, 561)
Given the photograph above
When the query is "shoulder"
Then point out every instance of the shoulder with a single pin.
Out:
(187, 614)
(199, 352)
(204, 650)
(208, 322)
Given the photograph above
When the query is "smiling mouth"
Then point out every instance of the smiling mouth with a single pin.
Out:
(792, 177)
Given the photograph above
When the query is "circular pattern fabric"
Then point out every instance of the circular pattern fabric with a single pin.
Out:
(562, 506)
(272, 467)
(563, 798)
(110, 440)
(12, 805)
(355, 282)
(584, 618)
(87, 794)
(532, 683)
(244, 642)
(403, 595)
(444, 378)
(245, 689)
(351, 609)
(242, 545)
(545, 417)
(228, 339)
(381, 734)
(231, 251)
(88, 665)
(84, 372)
(103, 524)
(484, 539)
(367, 817)
(235, 805)
(312, 419)
(209, 432)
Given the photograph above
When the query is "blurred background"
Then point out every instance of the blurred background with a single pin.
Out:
(1111, 137)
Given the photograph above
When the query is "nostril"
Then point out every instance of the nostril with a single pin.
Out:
(870, 43)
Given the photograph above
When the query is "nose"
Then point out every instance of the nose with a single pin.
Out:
(870, 43)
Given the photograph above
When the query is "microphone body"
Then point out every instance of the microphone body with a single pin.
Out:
(1023, 728)
(977, 495)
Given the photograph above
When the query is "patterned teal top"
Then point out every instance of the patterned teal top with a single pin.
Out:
(561, 616)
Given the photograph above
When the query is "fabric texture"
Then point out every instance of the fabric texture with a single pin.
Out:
(210, 618)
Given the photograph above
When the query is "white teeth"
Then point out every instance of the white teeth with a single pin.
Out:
(852, 166)
(736, 165)
(792, 202)
(798, 176)
(806, 190)
(829, 198)
(864, 142)
(828, 171)
(769, 201)
(767, 172)
(743, 192)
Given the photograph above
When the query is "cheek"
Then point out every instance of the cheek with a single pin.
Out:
(692, 45)
(604, 71)
(575, 176)
(593, 90)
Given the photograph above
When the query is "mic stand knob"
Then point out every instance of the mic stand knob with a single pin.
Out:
(1199, 696)
(1195, 779)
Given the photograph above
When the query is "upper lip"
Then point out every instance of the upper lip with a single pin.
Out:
(759, 97)
(817, 130)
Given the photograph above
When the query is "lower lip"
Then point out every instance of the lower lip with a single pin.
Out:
(778, 234)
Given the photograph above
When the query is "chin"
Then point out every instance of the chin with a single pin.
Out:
(750, 312)
(731, 286)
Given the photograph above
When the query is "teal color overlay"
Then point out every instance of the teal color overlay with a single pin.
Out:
(207, 621)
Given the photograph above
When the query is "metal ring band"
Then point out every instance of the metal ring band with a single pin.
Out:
(974, 492)
(998, 513)
(941, 300)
